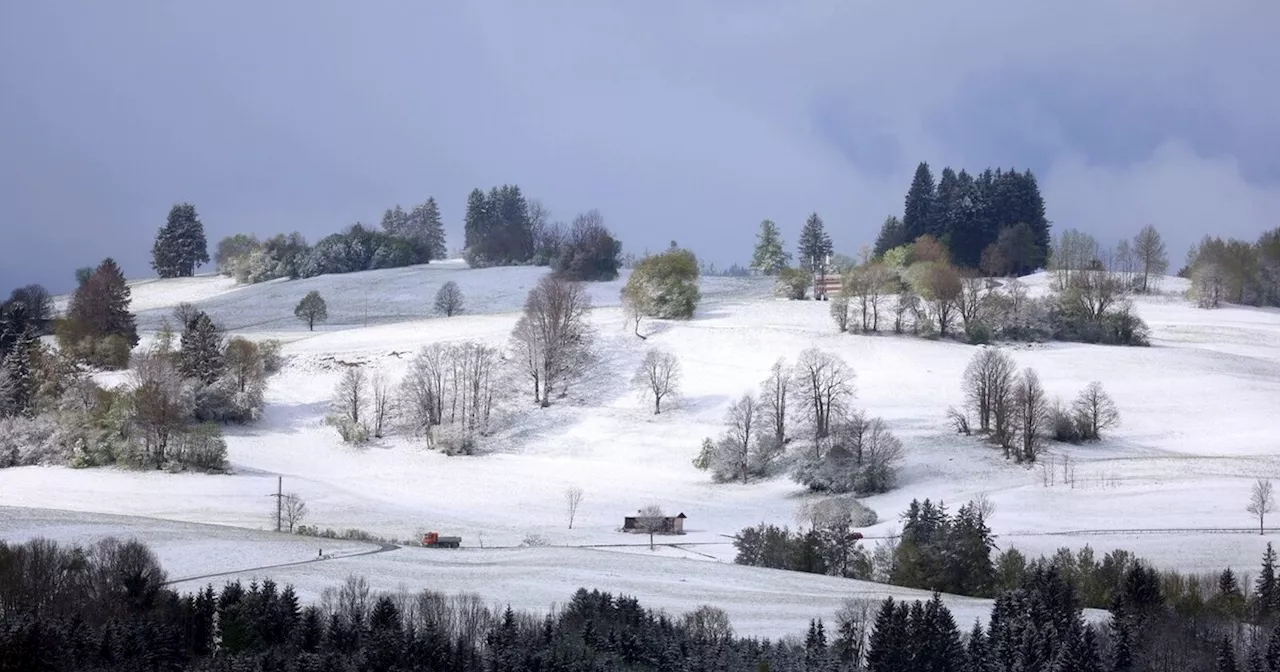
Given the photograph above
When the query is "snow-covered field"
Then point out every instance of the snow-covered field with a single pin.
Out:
(1198, 407)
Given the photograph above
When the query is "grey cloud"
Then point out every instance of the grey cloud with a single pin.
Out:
(678, 120)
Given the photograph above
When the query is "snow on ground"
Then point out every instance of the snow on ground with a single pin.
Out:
(154, 293)
(1198, 427)
(184, 549)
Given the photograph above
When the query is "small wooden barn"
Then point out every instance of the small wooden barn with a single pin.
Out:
(667, 525)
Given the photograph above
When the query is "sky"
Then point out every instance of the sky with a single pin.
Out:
(685, 121)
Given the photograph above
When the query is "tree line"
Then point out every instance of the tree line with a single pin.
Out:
(1235, 271)
(106, 607)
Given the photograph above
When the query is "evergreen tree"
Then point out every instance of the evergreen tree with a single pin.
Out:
(815, 244)
(1226, 656)
(17, 378)
(977, 653)
(769, 257)
(892, 234)
(180, 244)
(889, 646)
(917, 214)
(433, 229)
(312, 309)
(969, 569)
(99, 309)
(395, 222)
(201, 354)
(1266, 588)
(946, 207)
(477, 223)
(1122, 647)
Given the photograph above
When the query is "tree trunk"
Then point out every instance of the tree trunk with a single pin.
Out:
(657, 405)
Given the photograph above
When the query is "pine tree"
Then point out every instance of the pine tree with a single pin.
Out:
(887, 650)
(100, 307)
(946, 207)
(1226, 656)
(1122, 647)
(180, 244)
(917, 214)
(892, 234)
(395, 222)
(201, 354)
(977, 653)
(769, 257)
(815, 244)
(17, 378)
(1266, 587)
(433, 229)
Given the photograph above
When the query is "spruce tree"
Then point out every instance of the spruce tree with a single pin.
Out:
(887, 650)
(180, 244)
(201, 354)
(946, 207)
(815, 244)
(917, 213)
(17, 378)
(100, 307)
(1266, 587)
(1226, 656)
(395, 222)
(769, 257)
(433, 229)
(892, 234)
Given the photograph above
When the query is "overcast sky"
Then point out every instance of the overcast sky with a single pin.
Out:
(685, 120)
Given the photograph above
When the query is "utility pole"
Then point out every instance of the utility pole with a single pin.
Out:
(279, 502)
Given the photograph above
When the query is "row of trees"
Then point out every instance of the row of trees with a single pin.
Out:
(1235, 271)
(1015, 412)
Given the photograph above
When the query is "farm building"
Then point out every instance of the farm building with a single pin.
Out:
(667, 525)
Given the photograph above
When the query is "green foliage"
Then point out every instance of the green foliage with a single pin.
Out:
(897, 257)
(201, 356)
(892, 234)
(705, 455)
(180, 244)
(793, 283)
(942, 552)
(272, 361)
(201, 448)
(311, 309)
(665, 285)
(769, 258)
(233, 252)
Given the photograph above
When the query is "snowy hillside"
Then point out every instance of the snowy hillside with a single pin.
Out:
(1198, 408)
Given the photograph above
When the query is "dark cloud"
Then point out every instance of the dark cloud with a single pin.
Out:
(690, 121)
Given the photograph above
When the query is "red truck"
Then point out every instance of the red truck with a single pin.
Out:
(434, 540)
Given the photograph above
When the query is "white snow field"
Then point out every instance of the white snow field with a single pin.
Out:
(1199, 425)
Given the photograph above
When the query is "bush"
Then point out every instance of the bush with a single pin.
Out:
(792, 283)
(201, 447)
(590, 252)
(351, 432)
(272, 361)
(453, 439)
(978, 333)
(666, 285)
(29, 441)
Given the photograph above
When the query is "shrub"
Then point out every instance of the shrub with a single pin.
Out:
(272, 361)
(351, 432)
(453, 439)
(201, 447)
(792, 283)
(1062, 424)
(978, 333)
(29, 441)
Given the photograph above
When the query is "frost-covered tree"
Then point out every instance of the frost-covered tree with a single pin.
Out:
(740, 454)
(1095, 412)
(311, 309)
(455, 385)
(769, 257)
(552, 340)
(824, 384)
(350, 401)
(665, 285)
(180, 244)
(293, 509)
(589, 251)
(573, 499)
(99, 311)
(815, 244)
(774, 397)
(448, 299)
(18, 383)
(161, 406)
(658, 377)
(201, 354)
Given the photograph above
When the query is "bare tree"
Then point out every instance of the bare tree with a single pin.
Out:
(773, 397)
(658, 377)
(1032, 415)
(553, 337)
(984, 507)
(448, 299)
(382, 401)
(1261, 502)
(826, 386)
(184, 313)
(1152, 258)
(855, 621)
(573, 497)
(1124, 263)
(451, 385)
(352, 395)
(940, 287)
(972, 302)
(160, 406)
(1095, 412)
(651, 519)
(1072, 252)
(294, 508)
(880, 281)
(635, 307)
(1094, 292)
(709, 625)
(988, 384)
(735, 453)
